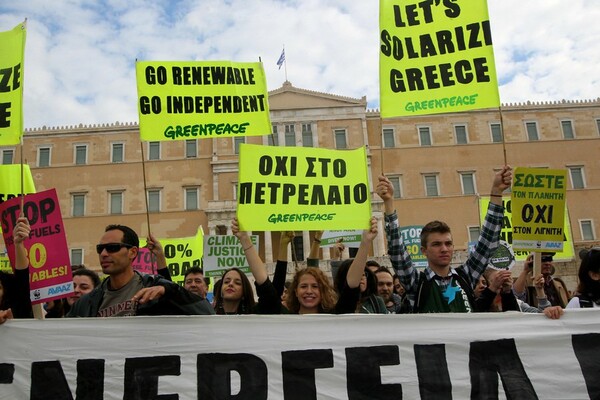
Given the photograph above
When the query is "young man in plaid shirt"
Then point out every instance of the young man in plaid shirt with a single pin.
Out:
(440, 287)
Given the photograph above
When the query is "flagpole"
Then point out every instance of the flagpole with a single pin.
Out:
(285, 65)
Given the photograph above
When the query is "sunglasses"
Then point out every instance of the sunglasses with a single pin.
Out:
(112, 247)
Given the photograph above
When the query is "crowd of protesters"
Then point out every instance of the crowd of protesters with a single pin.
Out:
(356, 285)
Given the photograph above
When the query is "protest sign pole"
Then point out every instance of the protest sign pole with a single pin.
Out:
(381, 145)
(38, 311)
(502, 133)
(22, 179)
(146, 199)
(537, 263)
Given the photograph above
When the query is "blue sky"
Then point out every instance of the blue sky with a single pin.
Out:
(80, 54)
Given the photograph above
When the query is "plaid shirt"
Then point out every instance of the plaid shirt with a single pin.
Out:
(474, 266)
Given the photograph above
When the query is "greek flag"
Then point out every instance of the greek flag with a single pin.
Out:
(281, 59)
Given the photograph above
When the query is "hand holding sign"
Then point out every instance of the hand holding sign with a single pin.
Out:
(502, 181)
(157, 251)
(21, 232)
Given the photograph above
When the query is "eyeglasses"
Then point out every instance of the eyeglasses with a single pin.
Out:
(112, 247)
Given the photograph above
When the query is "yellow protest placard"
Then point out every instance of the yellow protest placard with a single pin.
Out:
(538, 201)
(506, 234)
(12, 55)
(5, 264)
(181, 254)
(435, 57)
(10, 181)
(201, 100)
(298, 188)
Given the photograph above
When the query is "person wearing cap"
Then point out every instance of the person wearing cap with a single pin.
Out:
(588, 290)
(126, 292)
(555, 288)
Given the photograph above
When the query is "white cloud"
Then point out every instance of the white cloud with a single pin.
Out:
(80, 54)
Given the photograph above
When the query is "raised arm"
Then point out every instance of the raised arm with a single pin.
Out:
(357, 268)
(401, 261)
(22, 303)
(257, 266)
(280, 274)
(490, 231)
(154, 246)
(520, 284)
(20, 233)
(315, 246)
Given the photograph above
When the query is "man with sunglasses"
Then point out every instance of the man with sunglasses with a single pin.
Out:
(126, 292)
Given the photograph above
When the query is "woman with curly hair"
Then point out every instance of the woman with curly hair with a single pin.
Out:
(311, 291)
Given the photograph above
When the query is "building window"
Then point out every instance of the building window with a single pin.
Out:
(340, 139)
(7, 156)
(81, 154)
(567, 129)
(467, 180)
(425, 136)
(78, 201)
(116, 202)
(290, 135)
(43, 157)
(474, 232)
(532, 131)
(153, 150)
(431, 185)
(275, 136)
(237, 141)
(191, 199)
(496, 131)
(577, 177)
(117, 153)
(76, 256)
(587, 229)
(153, 200)
(598, 125)
(395, 180)
(460, 133)
(307, 136)
(388, 138)
(191, 148)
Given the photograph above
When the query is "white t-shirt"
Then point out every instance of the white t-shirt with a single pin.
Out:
(574, 303)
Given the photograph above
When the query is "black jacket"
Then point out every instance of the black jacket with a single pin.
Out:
(175, 301)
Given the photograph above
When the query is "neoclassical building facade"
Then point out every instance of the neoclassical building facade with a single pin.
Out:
(439, 165)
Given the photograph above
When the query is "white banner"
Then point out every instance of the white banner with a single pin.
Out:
(433, 356)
